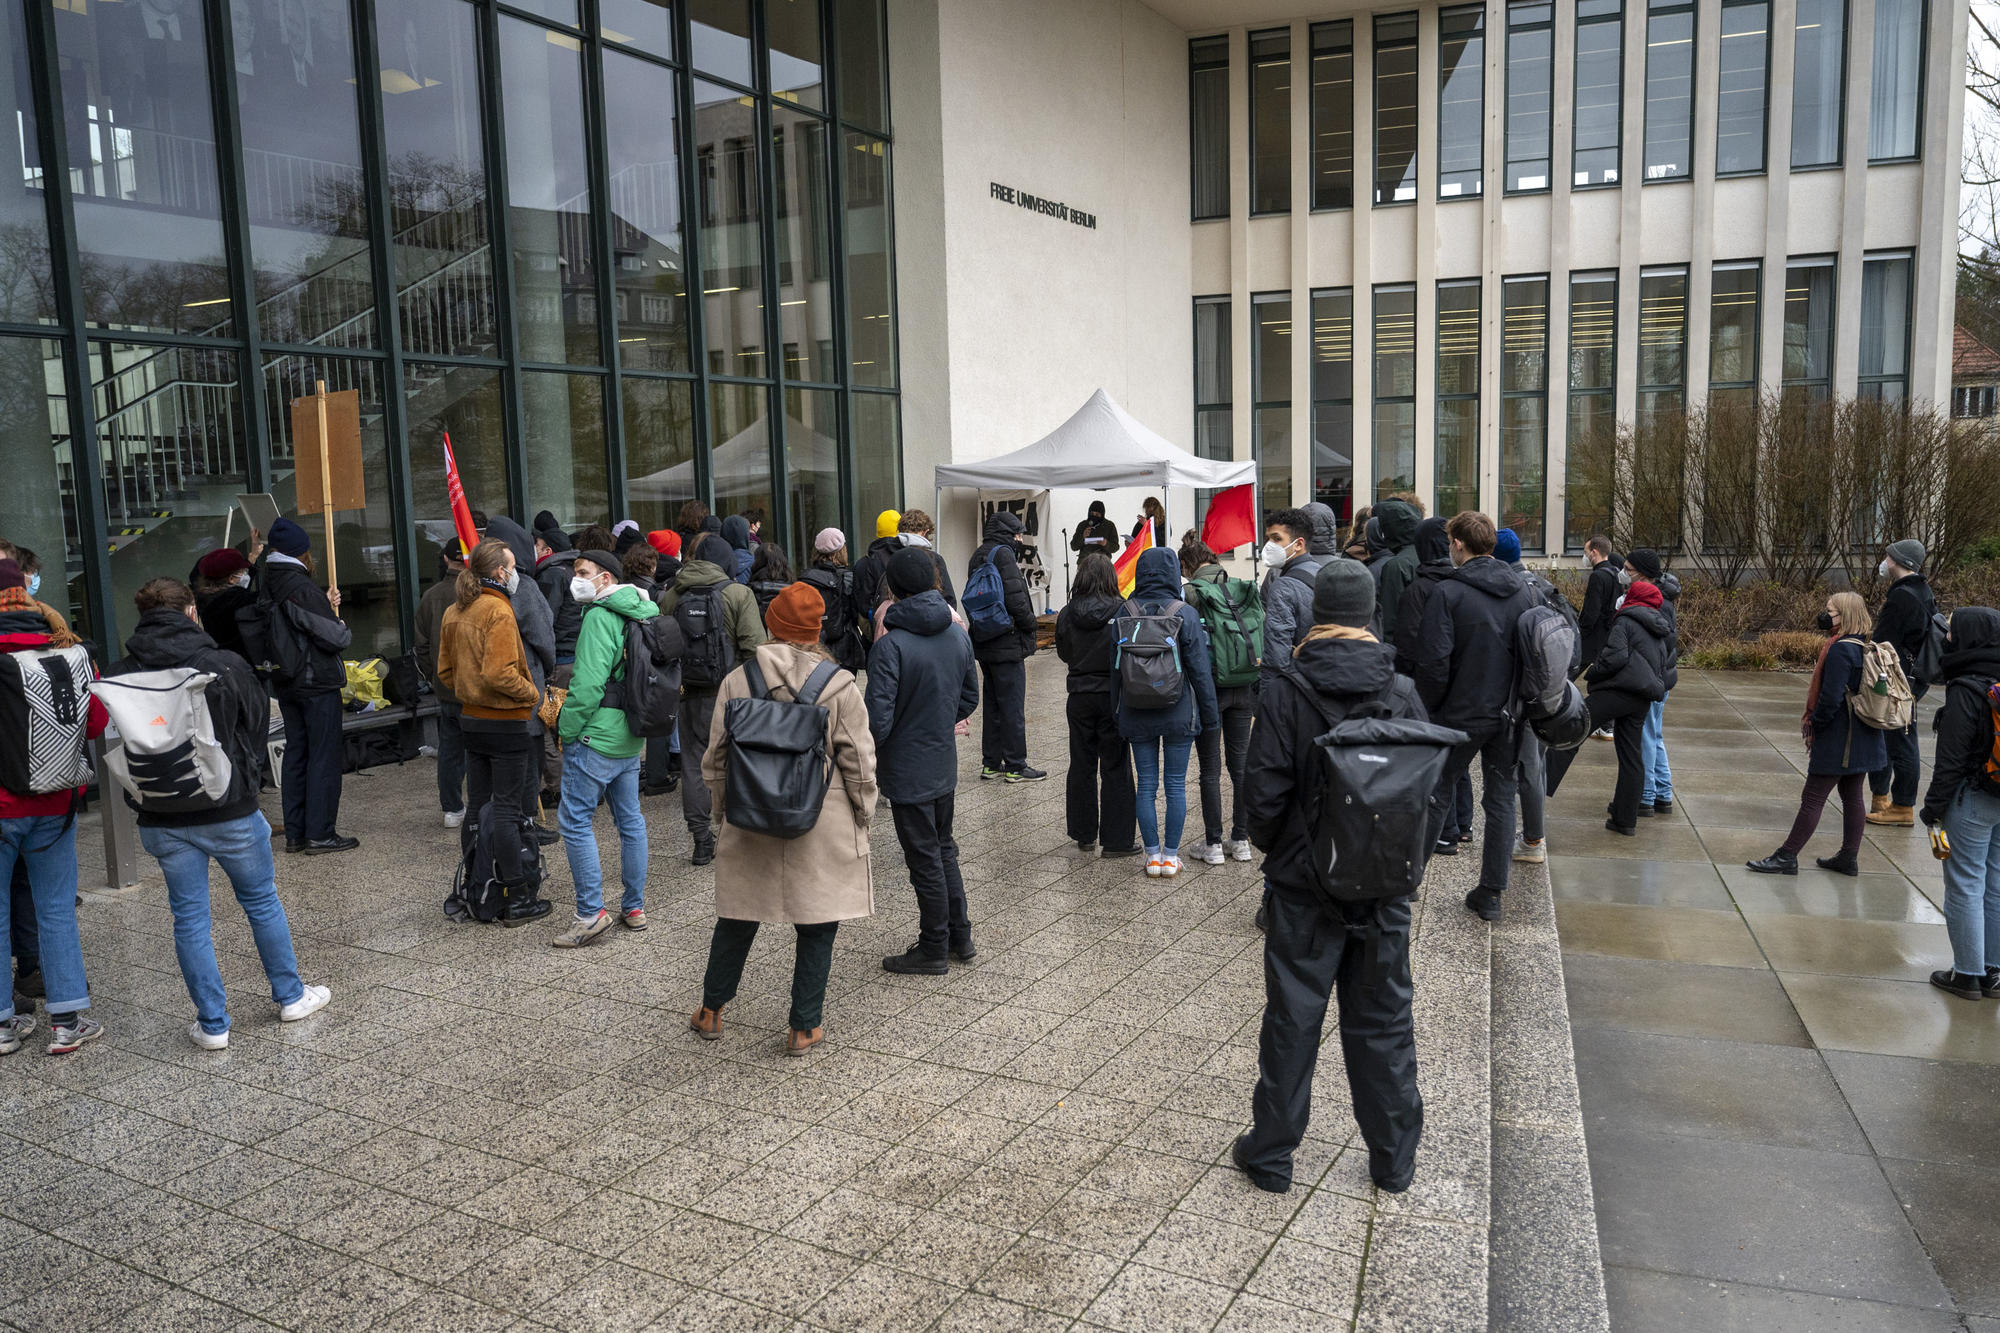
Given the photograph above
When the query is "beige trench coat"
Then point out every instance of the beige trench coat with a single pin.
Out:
(825, 875)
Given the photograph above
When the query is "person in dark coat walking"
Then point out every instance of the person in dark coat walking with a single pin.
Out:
(1633, 671)
(1003, 660)
(922, 682)
(1098, 800)
(295, 607)
(1962, 807)
(1163, 738)
(1905, 622)
(1841, 751)
(1398, 521)
(1314, 949)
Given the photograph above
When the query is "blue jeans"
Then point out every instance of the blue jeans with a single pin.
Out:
(47, 843)
(587, 777)
(1147, 759)
(1972, 882)
(1659, 785)
(242, 847)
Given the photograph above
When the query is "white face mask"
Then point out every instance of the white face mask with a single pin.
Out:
(1274, 554)
(1883, 569)
(242, 578)
(582, 589)
(1624, 578)
(513, 581)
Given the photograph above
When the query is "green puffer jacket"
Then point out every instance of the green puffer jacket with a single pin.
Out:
(600, 656)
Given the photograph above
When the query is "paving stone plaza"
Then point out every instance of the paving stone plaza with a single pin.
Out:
(1665, 1095)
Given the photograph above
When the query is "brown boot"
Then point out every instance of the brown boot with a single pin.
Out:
(707, 1022)
(801, 1041)
(1877, 804)
(1895, 816)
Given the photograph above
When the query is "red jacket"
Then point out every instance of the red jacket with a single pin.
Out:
(52, 803)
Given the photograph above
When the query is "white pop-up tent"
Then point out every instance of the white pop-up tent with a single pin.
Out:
(1100, 448)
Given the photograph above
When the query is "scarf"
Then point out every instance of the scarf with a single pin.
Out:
(1320, 632)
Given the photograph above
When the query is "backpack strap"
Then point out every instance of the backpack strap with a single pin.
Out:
(1298, 574)
(816, 683)
(753, 675)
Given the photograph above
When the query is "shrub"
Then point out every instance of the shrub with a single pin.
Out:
(1731, 657)
(1792, 649)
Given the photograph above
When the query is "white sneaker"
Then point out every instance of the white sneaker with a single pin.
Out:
(1239, 851)
(1531, 853)
(306, 1005)
(1169, 866)
(1601, 734)
(583, 930)
(1212, 853)
(15, 1031)
(1156, 865)
(453, 818)
(208, 1041)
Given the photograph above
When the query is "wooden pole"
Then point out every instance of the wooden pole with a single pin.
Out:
(326, 496)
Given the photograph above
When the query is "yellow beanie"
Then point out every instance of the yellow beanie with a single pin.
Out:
(885, 523)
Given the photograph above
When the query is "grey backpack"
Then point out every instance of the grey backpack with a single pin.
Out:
(1148, 657)
(170, 761)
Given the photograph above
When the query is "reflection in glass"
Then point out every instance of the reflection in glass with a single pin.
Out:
(440, 251)
(650, 275)
(1662, 329)
(812, 466)
(142, 162)
(878, 457)
(732, 248)
(35, 457)
(1809, 323)
(864, 73)
(563, 427)
(1818, 58)
(645, 24)
(1213, 428)
(739, 447)
(1271, 348)
(1669, 94)
(1333, 114)
(1270, 121)
(1457, 397)
(27, 285)
(1208, 114)
(1530, 50)
(797, 76)
(1273, 440)
(1395, 390)
(871, 274)
(1600, 90)
(464, 400)
(1894, 91)
(720, 38)
(805, 244)
(556, 11)
(1732, 325)
(548, 196)
(1395, 447)
(1396, 109)
(1592, 435)
(1524, 384)
(659, 449)
(1333, 401)
(1885, 327)
(1461, 101)
(1457, 455)
(1739, 121)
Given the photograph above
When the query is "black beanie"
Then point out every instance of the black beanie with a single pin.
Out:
(546, 522)
(910, 572)
(1647, 563)
(1344, 594)
(716, 551)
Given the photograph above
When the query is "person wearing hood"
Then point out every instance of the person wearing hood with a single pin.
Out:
(1531, 770)
(736, 531)
(1905, 621)
(1398, 521)
(1466, 673)
(1314, 948)
(1962, 806)
(1098, 799)
(223, 587)
(600, 753)
(1288, 585)
(553, 566)
(1003, 740)
(1095, 533)
(1634, 670)
(228, 830)
(1434, 566)
(715, 599)
(871, 588)
(296, 609)
(1841, 750)
(535, 620)
(922, 682)
(1656, 796)
(812, 882)
(431, 608)
(1163, 738)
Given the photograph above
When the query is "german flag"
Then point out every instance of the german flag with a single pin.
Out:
(1127, 563)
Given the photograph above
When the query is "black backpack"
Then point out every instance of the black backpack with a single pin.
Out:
(841, 630)
(777, 772)
(1927, 667)
(477, 892)
(1151, 675)
(707, 653)
(1371, 832)
(648, 687)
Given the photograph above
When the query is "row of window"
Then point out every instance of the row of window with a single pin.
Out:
(1667, 27)
(1524, 380)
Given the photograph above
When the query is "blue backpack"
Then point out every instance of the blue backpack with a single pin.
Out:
(985, 601)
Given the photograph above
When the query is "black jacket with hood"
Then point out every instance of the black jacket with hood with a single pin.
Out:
(1398, 522)
(1638, 659)
(922, 682)
(1600, 604)
(237, 705)
(1433, 551)
(1465, 661)
(295, 605)
(1284, 777)
(1156, 585)
(736, 531)
(1965, 719)
(532, 614)
(552, 576)
(1086, 640)
(871, 574)
(1001, 530)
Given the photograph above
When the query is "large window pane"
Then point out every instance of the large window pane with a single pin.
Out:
(1739, 121)
(1662, 342)
(27, 286)
(1457, 397)
(878, 459)
(1524, 384)
(295, 89)
(1894, 90)
(548, 197)
(645, 24)
(1669, 94)
(1461, 101)
(1530, 87)
(464, 400)
(1270, 122)
(640, 130)
(1395, 447)
(1271, 348)
(1818, 59)
(1213, 427)
(1273, 438)
(440, 248)
(732, 243)
(1333, 114)
(1809, 323)
(135, 90)
(739, 433)
(1589, 472)
(1396, 109)
(659, 449)
(720, 38)
(797, 75)
(805, 246)
(812, 467)
(1395, 427)
(1600, 91)
(871, 273)
(864, 67)
(1333, 400)
(35, 444)
(1732, 326)
(1885, 327)
(1208, 113)
(563, 427)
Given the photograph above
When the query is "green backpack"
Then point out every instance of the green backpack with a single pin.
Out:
(1233, 615)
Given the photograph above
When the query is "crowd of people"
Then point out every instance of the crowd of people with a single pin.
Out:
(804, 699)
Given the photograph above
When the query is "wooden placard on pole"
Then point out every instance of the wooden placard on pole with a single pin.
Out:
(326, 449)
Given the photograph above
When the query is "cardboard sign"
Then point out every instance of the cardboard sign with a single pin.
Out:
(342, 451)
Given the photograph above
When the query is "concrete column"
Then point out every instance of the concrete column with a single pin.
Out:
(1492, 244)
(1935, 273)
(1562, 130)
(1703, 242)
(1777, 196)
(1363, 259)
(1302, 342)
(1425, 221)
(1853, 195)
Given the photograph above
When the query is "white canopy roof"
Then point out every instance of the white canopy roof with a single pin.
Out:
(1099, 448)
(742, 463)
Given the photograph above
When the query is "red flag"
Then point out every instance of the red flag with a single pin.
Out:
(1231, 521)
(461, 512)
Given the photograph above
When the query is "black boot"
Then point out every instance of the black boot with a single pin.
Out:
(1844, 863)
(1957, 983)
(1992, 983)
(916, 963)
(1485, 903)
(1777, 863)
(704, 851)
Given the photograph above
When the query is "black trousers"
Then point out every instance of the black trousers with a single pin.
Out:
(1625, 714)
(1228, 744)
(697, 804)
(1003, 715)
(312, 765)
(924, 830)
(730, 948)
(1099, 803)
(499, 759)
(1900, 777)
(1497, 753)
(1310, 955)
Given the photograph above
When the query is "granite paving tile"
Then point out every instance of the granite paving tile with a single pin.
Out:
(1673, 1303)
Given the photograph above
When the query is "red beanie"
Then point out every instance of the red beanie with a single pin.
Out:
(666, 541)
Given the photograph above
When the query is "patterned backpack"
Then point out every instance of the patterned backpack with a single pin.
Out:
(44, 714)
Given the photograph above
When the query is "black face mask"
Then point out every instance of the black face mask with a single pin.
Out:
(1825, 622)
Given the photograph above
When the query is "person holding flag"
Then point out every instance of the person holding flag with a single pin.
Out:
(1127, 563)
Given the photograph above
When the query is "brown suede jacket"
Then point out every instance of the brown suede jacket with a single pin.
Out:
(481, 660)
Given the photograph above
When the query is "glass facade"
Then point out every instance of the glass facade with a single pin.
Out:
(1271, 121)
(1208, 126)
(1396, 109)
(1744, 69)
(1530, 70)
(1457, 397)
(620, 267)
(1819, 56)
(1333, 114)
(1885, 327)
(1524, 408)
(1271, 388)
(1895, 92)
(1669, 90)
(1732, 337)
(1214, 428)
(1593, 402)
(1600, 92)
(1809, 290)
(1662, 342)
(1333, 401)
(1461, 101)
(1395, 435)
